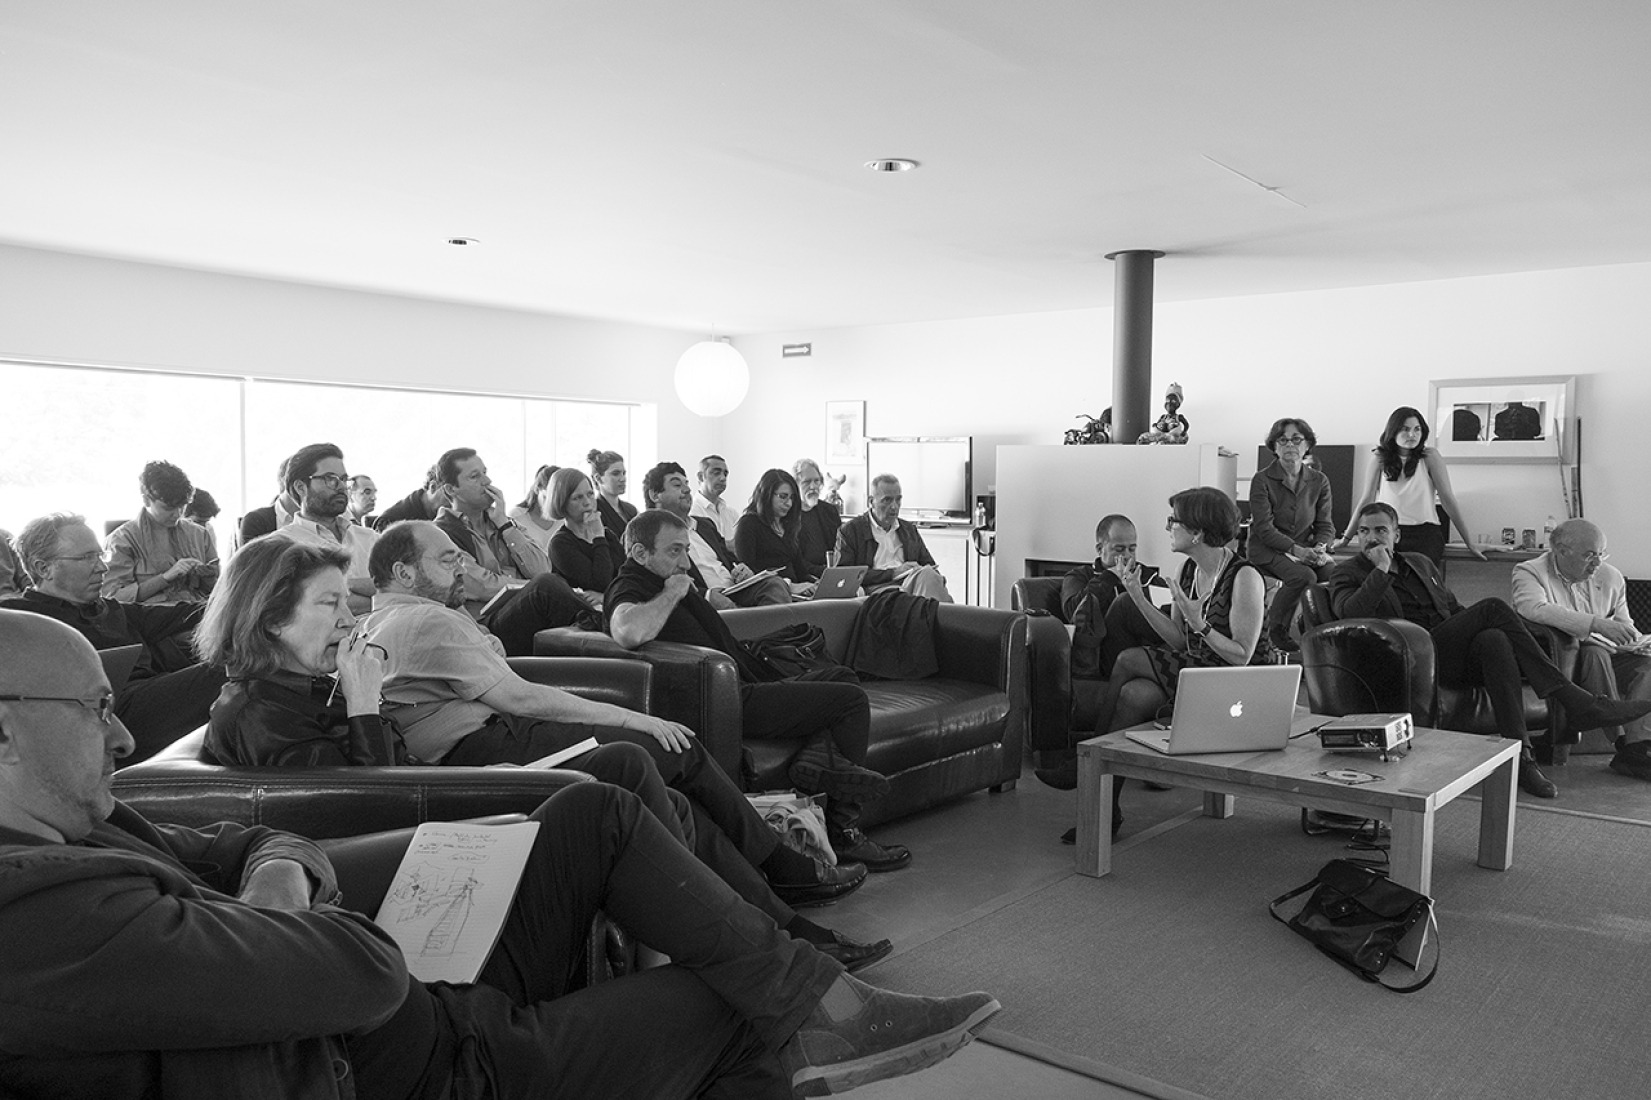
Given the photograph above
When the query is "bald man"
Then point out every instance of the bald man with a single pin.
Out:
(143, 958)
(1572, 589)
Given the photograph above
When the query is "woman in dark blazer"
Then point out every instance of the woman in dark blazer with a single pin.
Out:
(581, 552)
(1290, 524)
(766, 535)
(607, 469)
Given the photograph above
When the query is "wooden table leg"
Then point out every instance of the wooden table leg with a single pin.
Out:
(1217, 805)
(1410, 856)
(1094, 815)
(1498, 797)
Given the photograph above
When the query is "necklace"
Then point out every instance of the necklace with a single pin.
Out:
(1214, 576)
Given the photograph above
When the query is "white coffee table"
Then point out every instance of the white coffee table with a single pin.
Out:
(1441, 764)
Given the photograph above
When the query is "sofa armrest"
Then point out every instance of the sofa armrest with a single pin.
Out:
(330, 802)
(695, 686)
(623, 683)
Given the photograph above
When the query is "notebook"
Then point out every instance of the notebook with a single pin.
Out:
(839, 582)
(1227, 710)
(118, 663)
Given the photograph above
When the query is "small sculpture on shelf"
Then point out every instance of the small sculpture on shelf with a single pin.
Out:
(1096, 429)
(1172, 426)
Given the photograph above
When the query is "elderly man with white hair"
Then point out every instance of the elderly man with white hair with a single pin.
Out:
(1571, 588)
(821, 519)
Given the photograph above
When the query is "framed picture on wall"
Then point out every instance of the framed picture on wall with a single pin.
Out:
(845, 433)
(1503, 419)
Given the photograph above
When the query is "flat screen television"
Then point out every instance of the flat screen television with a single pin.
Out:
(933, 472)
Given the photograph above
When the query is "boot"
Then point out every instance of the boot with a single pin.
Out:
(820, 769)
(854, 846)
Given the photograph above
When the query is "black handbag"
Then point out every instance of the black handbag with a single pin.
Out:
(793, 651)
(1358, 917)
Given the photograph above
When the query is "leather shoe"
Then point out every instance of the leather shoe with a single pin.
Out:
(853, 956)
(1633, 760)
(859, 1034)
(838, 780)
(1531, 779)
(853, 846)
(832, 883)
(1601, 710)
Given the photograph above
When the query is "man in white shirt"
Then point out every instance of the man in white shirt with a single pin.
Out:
(708, 502)
(1572, 589)
(316, 479)
(714, 567)
(363, 499)
(891, 547)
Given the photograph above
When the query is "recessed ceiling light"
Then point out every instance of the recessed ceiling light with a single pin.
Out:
(462, 241)
(892, 164)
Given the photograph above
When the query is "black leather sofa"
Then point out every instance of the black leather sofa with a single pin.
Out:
(935, 739)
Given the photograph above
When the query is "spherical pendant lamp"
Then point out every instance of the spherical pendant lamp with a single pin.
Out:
(712, 378)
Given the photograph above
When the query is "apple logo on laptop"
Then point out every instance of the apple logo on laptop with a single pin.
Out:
(1237, 709)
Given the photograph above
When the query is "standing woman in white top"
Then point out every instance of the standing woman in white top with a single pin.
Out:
(1409, 477)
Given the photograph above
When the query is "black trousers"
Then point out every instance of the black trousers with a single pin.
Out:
(800, 709)
(727, 834)
(159, 710)
(707, 1025)
(1488, 646)
(545, 601)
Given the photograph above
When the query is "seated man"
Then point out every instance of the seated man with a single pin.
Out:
(166, 695)
(891, 546)
(711, 564)
(218, 963)
(363, 499)
(271, 715)
(272, 516)
(1485, 645)
(419, 504)
(708, 502)
(161, 557)
(821, 519)
(1104, 620)
(508, 585)
(317, 481)
(1571, 588)
(652, 597)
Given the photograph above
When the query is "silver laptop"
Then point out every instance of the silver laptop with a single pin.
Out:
(1227, 710)
(839, 582)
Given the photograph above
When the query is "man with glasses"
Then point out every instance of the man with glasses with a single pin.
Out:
(821, 519)
(1486, 645)
(316, 479)
(1571, 588)
(167, 694)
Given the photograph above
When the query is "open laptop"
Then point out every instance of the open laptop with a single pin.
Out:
(118, 663)
(1227, 710)
(839, 582)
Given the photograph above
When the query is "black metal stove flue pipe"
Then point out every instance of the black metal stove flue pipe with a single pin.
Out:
(1132, 343)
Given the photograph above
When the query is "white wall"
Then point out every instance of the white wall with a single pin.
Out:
(74, 308)
(1342, 359)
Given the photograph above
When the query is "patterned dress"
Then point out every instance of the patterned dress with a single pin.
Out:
(1167, 663)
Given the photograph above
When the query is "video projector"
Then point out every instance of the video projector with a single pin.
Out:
(1378, 733)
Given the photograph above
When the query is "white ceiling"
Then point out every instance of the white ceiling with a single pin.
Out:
(697, 163)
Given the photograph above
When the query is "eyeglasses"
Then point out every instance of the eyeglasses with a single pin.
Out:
(104, 708)
(1592, 557)
(450, 560)
(1172, 521)
(331, 481)
(88, 556)
(1298, 440)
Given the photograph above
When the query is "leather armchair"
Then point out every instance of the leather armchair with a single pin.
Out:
(1057, 699)
(177, 786)
(1360, 665)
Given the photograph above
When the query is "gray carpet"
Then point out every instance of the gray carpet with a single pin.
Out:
(1171, 971)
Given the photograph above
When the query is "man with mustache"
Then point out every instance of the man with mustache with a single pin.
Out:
(317, 481)
(1572, 588)
(1485, 645)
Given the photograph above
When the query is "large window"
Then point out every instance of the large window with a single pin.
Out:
(74, 438)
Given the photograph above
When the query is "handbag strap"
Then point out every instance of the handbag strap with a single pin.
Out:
(1375, 979)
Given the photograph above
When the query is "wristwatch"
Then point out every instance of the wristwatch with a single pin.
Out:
(1205, 632)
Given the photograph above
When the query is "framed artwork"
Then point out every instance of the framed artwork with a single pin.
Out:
(1503, 419)
(845, 433)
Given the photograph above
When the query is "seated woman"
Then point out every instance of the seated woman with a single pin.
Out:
(532, 515)
(580, 553)
(821, 518)
(1290, 525)
(766, 535)
(303, 691)
(607, 469)
(1216, 620)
